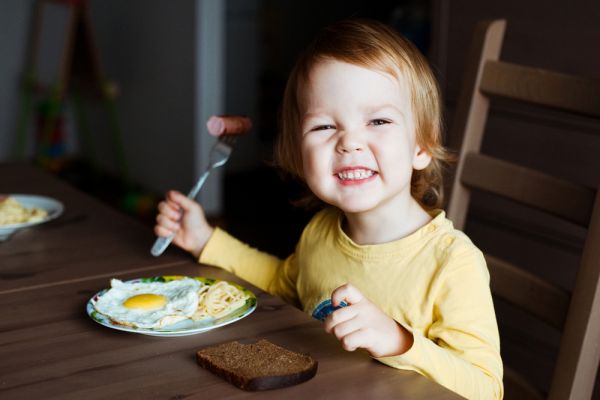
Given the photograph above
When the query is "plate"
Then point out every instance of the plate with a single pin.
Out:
(54, 208)
(182, 328)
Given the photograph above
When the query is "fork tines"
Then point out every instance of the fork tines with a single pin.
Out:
(227, 139)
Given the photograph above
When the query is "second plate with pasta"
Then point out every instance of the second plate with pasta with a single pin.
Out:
(18, 211)
(220, 303)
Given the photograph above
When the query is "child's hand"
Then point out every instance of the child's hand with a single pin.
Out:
(363, 325)
(184, 217)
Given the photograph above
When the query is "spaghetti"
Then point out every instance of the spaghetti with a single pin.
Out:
(13, 212)
(218, 300)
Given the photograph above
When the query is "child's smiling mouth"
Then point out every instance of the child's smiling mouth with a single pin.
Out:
(355, 175)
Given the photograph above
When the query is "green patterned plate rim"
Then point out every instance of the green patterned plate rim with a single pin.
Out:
(183, 328)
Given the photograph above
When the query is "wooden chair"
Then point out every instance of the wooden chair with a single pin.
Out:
(576, 314)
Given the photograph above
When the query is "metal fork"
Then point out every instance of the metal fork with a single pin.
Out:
(218, 156)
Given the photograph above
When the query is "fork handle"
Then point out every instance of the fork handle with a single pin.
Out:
(199, 183)
(161, 243)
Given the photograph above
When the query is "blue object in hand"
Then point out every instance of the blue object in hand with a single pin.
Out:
(325, 308)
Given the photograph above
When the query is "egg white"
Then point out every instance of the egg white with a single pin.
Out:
(181, 302)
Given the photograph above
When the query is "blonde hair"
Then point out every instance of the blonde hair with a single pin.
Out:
(371, 44)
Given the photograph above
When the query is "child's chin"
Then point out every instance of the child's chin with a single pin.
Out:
(356, 202)
(356, 207)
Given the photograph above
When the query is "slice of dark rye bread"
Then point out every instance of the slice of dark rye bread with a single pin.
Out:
(257, 366)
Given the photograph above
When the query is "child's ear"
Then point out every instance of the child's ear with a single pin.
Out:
(421, 159)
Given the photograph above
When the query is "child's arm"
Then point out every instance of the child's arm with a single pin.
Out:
(263, 270)
(460, 350)
(363, 325)
(185, 218)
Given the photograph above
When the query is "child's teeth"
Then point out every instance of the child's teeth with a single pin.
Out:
(356, 174)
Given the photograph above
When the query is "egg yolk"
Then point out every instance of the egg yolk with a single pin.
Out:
(145, 302)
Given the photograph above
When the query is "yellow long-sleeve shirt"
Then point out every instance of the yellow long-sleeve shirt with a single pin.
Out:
(434, 282)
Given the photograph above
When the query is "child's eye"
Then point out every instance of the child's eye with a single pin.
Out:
(377, 122)
(323, 127)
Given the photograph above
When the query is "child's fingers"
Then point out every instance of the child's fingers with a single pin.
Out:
(339, 316)
(347, 293)
(174, 195)
(342, 329)
(354, 340)
(167, 223)
(180, 199)
(169, 209)
(161, 231)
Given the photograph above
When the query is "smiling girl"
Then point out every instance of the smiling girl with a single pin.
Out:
(380, 264)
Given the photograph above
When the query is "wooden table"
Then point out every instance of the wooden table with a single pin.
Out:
(89, 239)
(51, 349)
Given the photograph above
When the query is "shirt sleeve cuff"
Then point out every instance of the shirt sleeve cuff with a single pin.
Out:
(411, 358)
(215, 250)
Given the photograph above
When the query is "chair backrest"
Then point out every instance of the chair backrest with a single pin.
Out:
(576, 314)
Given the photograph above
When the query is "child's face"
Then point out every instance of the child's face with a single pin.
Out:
(358, 145)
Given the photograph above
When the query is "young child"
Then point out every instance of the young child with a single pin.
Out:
(381, 264)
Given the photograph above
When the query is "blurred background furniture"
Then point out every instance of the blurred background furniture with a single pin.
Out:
(576, 312)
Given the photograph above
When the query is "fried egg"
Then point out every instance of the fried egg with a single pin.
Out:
(149, 304)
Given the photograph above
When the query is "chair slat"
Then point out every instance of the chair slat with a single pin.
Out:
(518, 287)
(577, 316)
(541, 87)
(472, 109)
(516, 387)
(579, 351)
(532, 188)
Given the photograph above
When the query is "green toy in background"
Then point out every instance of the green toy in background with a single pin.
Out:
(50, 139)
(63, 64)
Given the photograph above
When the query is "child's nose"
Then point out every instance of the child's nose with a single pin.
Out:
(350, 141)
